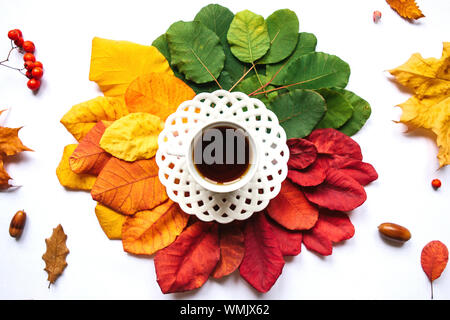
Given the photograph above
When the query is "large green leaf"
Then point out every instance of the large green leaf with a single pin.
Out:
(283, 29)
(195, 50)
(161, 44)
(361, 112)
(248, 36)
(298, 111)
(306, 43)
(339, 110)
(251, 84)
(314, 70)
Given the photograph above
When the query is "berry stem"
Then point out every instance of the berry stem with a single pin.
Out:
(2, 63)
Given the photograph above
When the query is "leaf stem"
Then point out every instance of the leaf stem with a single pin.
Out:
(241, 78)
(431, 285)
(276, 89)
(204, 66)
(268, 83)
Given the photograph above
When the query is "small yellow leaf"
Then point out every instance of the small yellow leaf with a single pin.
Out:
(110, 221)
(82, 117)
(114, 64)
(67, 177)
(134, 137)
(406, 8)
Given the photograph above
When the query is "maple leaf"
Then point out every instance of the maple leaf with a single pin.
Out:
(4, 176)
(55, 255)
(429, 108)
(10, 143)
(434, 259)
(129, 187)
(406, 8)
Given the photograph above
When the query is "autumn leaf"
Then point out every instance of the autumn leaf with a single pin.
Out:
(263, 261)
(10, 143)
(231, 249)
(115, 64)
(290, 242)
(55, 255)
(4, 176)
(188, 262)
(110, 221)
(157, 93)
(309, 177)
(434, 259)
(148, 231)
(69, 179)
(291, 209)
(82, 117)
(129, 187)
(88, 157)
(406, 8)
(333, 142)
(362, 172)
(302, 153)
(133, 137)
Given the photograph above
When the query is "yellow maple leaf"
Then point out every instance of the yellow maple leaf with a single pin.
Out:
(81, 118)
(115, 64)
(429, 108)
(111, 221)
(406, 8)
(133, 137)
(67, 178)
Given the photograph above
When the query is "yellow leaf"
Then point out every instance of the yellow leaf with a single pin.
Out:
(134, 137)
(67, 178)
(110, 221)
(442, 129)
(114, 64)
(406, 8)
(151, 230)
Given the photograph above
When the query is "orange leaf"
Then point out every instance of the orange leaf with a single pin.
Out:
(434, 259)
(88, 157)
(157, 93)
(231, 250)
(129, 187)
(151, 230)
(4, 176)
(406, 8)
(10, 143)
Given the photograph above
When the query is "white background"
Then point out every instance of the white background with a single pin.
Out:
(365, 267)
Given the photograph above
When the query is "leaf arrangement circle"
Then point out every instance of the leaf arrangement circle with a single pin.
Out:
(260, 122)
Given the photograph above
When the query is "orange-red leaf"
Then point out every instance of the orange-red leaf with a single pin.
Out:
(148, 231)
(129, 187)
(290, 242)
(263, 261)
(314, 175)
(406, 8)
(188, 262)
(291, 209)
(302, 153)
(333, 142)
(434, 259)
(231, 249)
(88, 157)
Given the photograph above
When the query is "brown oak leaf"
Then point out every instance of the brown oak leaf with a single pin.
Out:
(55, 256)
(406, 8)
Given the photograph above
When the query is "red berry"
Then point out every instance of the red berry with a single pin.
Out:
(28, 46)
(28, 74)
(19, 32)
(33, 84)
(29, 65)
(13, 35)
(19, 42)
(29, 57)
(38, 64)
(37, 73)
(436, 183)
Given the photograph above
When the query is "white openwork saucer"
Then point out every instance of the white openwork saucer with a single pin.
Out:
(172, 159)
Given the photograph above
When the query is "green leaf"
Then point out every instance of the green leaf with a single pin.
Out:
(339, 110)
(195, 50)
(361, 112)
(283, 27)
(306, 44)
(298, 111)
(161, 44)
(248, 36)
(251, 84)
(314, 70)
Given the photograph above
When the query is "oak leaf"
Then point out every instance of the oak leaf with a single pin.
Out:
(110, 221)
(129, 187)
(4, 176)
(88, 157)
(133, 137)
(406, 8)
(434, 259)
(81, 118)
(188, 262)
(55, 255)
(10, 144)
(115, 64)
(148, 231)
(69, 179)
(157, 93)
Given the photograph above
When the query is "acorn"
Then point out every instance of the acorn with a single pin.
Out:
(17, 224)
(394, 232)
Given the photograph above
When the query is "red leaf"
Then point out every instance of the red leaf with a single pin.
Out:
(338, 192)
(331, 141)
(88, 157)
(317, 242)
(336, 226)
(302, 153)
(434, 259)
(263, 261)
(362, 172)
(231, 250)
(187, 263)
(291, 209)
(290, 242)
(311, 176)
